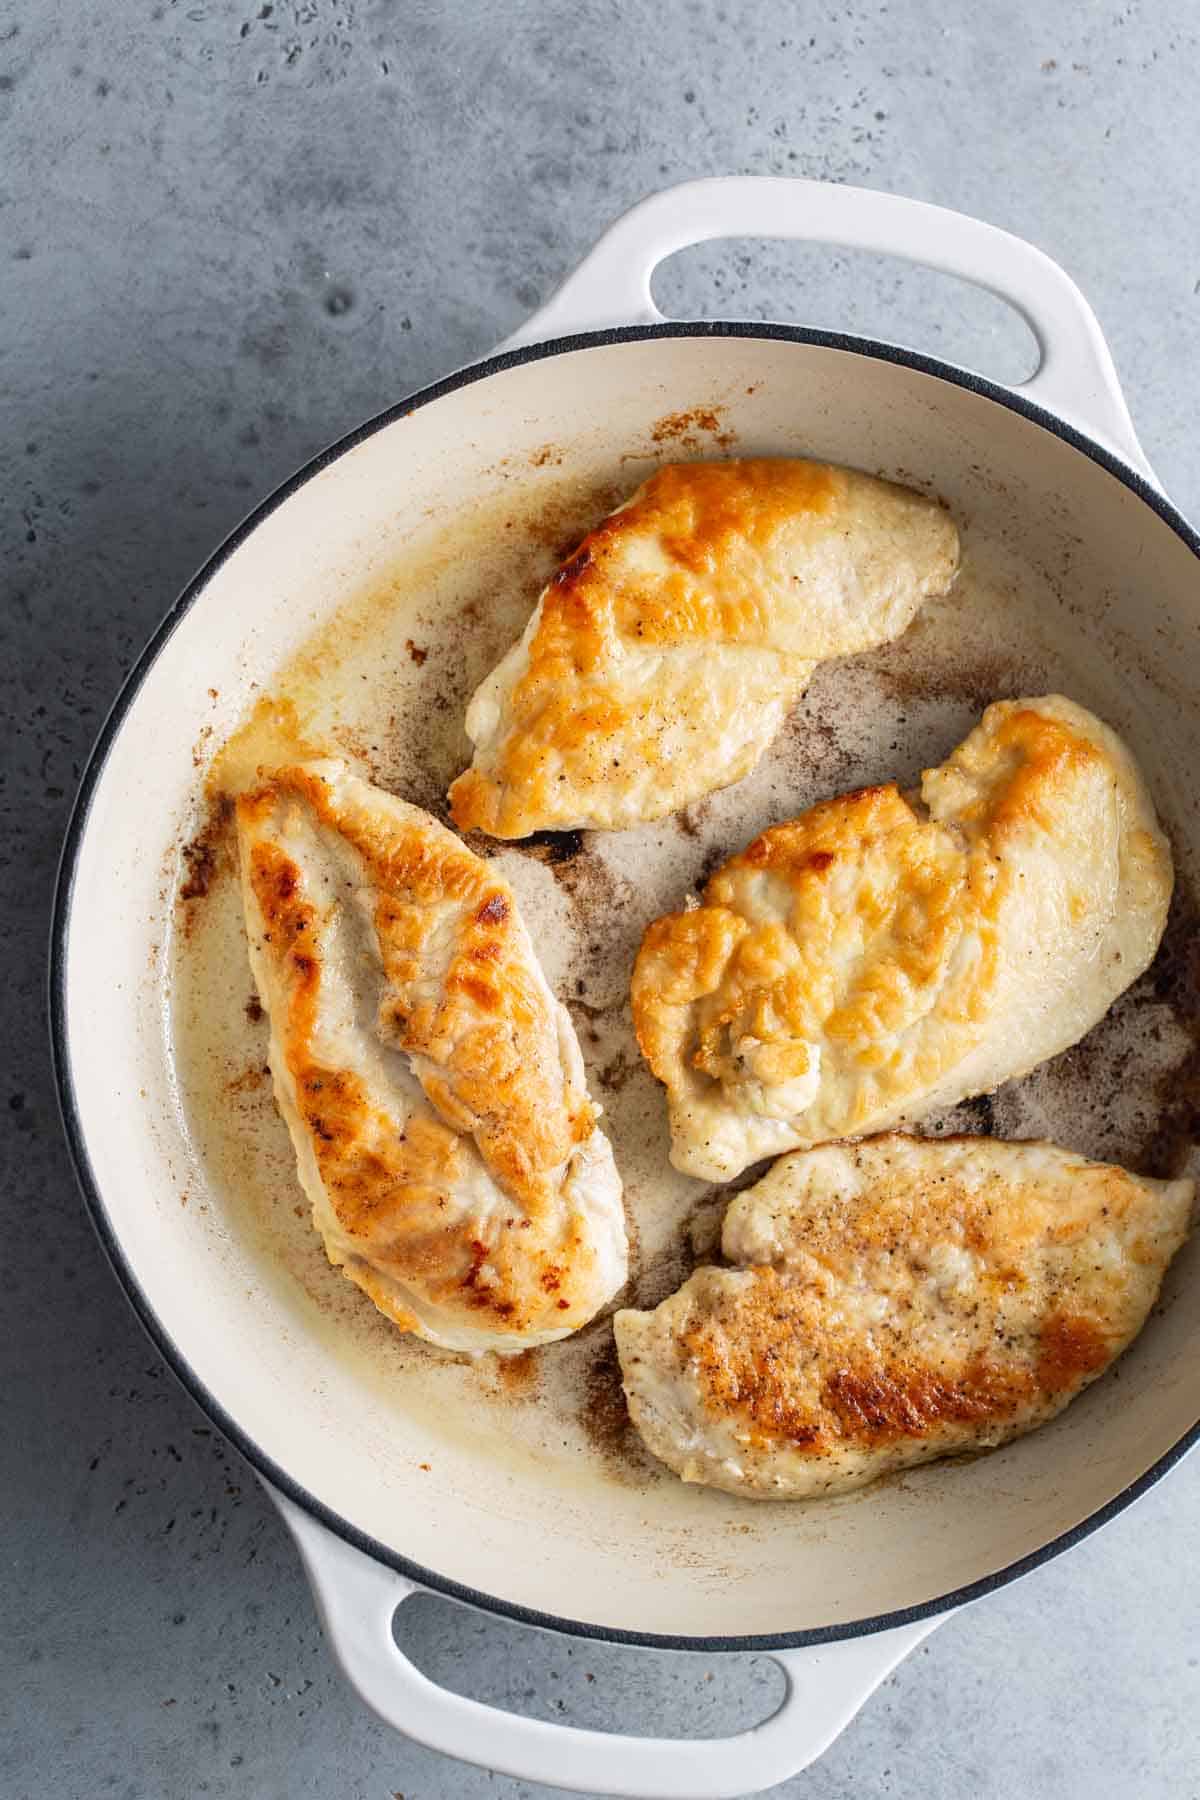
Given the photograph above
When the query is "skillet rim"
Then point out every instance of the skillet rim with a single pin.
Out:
(64, 890)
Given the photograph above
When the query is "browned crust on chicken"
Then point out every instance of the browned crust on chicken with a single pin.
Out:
(704, 554)
(892, 1302)
(460, 997)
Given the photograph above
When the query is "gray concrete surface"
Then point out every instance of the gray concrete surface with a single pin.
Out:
(228, 233)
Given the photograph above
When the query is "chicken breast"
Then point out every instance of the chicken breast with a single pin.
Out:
(892, 1302)
(664, 654)
(883, 955)
(432, 1084)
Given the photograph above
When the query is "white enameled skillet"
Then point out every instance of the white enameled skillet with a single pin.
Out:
(837, 1592)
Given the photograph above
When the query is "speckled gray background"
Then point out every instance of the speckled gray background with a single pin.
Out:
(227, 234)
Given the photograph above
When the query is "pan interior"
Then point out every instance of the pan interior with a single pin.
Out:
(373, 600)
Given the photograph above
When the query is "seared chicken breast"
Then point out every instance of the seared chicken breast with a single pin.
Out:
(664, 654)
(432, 1084)
(886, 954)
(895, 1301)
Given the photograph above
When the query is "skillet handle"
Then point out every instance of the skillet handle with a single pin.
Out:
(357, 1599)
(1075, 377)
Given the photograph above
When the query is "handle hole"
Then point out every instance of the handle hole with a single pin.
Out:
(856, 291)
(573, 1681)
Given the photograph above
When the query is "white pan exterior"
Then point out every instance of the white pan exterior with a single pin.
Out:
(673, 1562)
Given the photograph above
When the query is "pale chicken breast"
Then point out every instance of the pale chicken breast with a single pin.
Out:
(895, 1301)
(884, 954)
(663, 656)
(432, 1084)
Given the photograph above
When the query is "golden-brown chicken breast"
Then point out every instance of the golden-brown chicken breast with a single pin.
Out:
(883, 955)
(432, 1084)
(895, 1301)
(664, 654)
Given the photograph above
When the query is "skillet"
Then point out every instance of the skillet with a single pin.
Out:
(373, 589)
